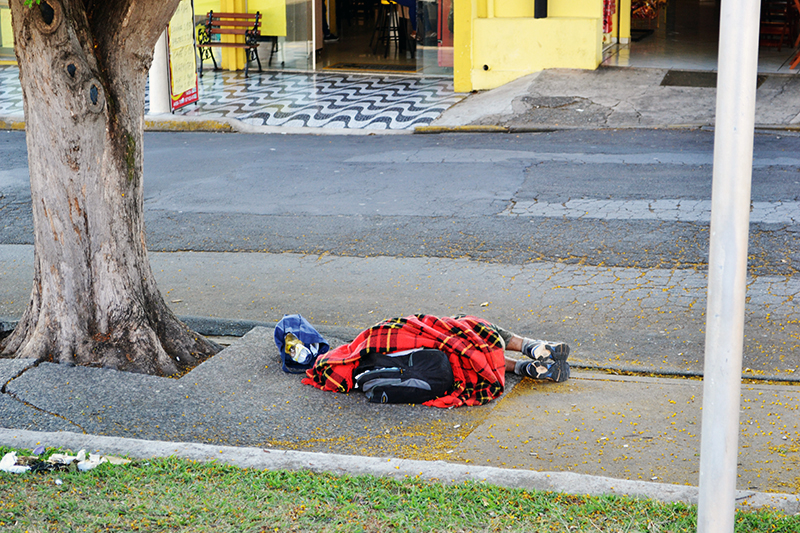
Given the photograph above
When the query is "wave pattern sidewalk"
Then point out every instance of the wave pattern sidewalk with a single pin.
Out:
(10, 91)
(338, 101)
(321, 100)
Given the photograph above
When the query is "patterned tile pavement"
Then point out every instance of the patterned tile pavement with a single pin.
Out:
(10, 91)
(322, 100)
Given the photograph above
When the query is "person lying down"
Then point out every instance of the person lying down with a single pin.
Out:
(437, 361)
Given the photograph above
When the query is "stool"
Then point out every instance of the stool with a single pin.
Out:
(387, 28)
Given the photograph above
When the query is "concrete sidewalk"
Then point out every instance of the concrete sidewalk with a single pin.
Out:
(616, 98)
(594, 434)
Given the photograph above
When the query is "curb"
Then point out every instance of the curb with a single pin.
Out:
(462, 129)
(181, 123)
(230, 327)
(12, 123)
(222, 327)
(435, 471)
(759, 128)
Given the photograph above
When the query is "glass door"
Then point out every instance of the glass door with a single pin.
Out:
(289, 23)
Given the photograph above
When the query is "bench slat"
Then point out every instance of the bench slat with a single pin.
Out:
(235, 15)
(225, 45)
(216, 31)
(234, 23)
(239, 24)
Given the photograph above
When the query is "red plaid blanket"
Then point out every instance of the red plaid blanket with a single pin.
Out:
(474, 348)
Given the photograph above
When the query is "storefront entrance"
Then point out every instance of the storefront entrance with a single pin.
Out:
(412, 37)
(403, 36)
(684, 34)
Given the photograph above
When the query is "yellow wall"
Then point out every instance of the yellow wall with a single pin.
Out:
(463, 12)
(273, 15)
(497, 41)
(202, 7)
(509, 8)
(624, 7)
(5, 28)
(575, 8)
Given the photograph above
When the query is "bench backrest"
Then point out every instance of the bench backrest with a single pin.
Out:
(233, 23)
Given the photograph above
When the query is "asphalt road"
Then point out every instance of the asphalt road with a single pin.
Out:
(434, 196)
(596, 237)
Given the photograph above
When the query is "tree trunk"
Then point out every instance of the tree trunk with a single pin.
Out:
(83, 71)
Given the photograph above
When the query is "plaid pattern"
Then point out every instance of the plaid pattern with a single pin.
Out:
(474, 348)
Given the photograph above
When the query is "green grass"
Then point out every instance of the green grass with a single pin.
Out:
(179, 495)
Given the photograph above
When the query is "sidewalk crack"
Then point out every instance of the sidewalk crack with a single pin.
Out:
(4, 390)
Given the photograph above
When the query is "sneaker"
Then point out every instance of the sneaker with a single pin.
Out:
(544, 350)
(557, 371)
(331, 38)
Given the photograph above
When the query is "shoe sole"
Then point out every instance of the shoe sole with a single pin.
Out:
(560, 371)
(558, 352)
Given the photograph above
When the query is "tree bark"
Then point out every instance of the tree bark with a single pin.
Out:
(83, 71)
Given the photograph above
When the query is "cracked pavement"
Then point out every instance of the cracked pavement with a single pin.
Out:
(615, 98)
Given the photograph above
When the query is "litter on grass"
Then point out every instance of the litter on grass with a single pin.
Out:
(58, 461)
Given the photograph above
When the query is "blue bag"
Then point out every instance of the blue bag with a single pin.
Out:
(305, 332)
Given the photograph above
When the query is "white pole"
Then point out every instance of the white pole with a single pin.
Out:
(314, 34)
(159, 78)
(727, 264)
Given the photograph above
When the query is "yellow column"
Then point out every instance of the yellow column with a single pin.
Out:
(6, 32)
(463, 11)
(624, 21)
(233, 58)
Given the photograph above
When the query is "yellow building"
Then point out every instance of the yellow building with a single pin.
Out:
(6, 35)
(488, 42)
(497, 41)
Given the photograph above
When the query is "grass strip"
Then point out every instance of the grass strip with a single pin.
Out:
(169, 494)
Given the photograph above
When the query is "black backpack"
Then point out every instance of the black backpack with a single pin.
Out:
(414, 377)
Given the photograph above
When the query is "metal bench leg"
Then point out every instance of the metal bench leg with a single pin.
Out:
(258, 60)
(272, 50)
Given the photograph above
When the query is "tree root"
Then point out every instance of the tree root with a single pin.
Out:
(166, 347)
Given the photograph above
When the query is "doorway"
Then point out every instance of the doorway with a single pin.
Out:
(684, 34)
(410, 37)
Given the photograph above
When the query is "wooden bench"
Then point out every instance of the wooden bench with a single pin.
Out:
(245, 24)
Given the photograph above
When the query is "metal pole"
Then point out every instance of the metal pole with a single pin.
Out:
(727, 264)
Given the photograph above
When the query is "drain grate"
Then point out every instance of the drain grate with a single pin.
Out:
(696, 78)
